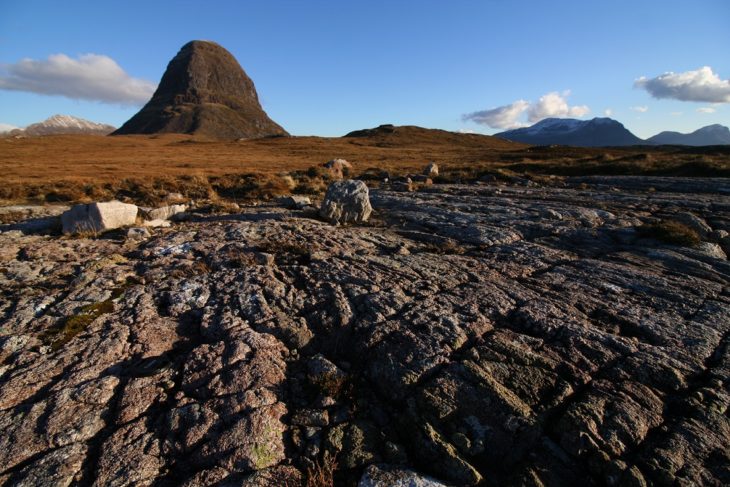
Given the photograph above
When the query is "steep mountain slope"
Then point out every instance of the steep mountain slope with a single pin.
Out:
(567, 131)
(204, 91)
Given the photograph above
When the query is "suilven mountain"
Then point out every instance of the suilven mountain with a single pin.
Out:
(204, 91)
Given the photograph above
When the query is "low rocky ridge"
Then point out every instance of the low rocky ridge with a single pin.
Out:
(493, 335)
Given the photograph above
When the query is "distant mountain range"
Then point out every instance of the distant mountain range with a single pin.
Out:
(61, 125)
(599, 132)
(711, 135)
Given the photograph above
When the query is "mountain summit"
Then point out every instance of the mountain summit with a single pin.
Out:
(63, 125)
(596, 132)
(204, 91)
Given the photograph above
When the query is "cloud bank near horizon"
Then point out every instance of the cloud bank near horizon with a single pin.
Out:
(700, 85)
(513, 116)
(6, 127)
(91, 77)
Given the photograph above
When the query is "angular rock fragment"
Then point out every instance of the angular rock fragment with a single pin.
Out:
(346, 202)
(390, 476)
(165, 212)
(297, 202)
(98, 217)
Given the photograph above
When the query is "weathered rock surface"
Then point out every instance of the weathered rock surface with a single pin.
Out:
(504, 335)
(98, 217)
(346, 202)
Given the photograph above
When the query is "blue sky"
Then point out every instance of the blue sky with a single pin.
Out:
(326, 67)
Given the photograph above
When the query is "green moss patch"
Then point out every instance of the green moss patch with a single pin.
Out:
(73, 325)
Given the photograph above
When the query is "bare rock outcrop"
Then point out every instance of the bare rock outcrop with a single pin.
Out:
(507, 335)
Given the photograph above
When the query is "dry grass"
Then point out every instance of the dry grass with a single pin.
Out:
(146, 168)
(323, 472)
(670, 232)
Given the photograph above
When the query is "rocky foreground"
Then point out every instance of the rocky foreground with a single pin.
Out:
(466, 335)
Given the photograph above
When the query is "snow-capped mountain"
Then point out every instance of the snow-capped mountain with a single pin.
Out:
(569, 131)
(710, 135)
(64, 124)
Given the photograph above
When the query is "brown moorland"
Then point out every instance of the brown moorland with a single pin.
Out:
(145, 168)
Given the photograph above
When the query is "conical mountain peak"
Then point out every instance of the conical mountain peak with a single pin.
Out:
(204, 91)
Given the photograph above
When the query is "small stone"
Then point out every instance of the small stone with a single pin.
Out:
(337, 168)
(138, 233)
(694, 222)
(432, 170)
(157, 224)
(297, 202)
(384, 475)
(325, 375)
(404, 185)
(311, 417)
(165, 212)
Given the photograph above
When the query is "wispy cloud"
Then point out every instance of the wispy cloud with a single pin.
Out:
(512, 116)
(504, 117)
(90, 77)
(706, 110)
(608, 112)
(701, 85)
(641, 109)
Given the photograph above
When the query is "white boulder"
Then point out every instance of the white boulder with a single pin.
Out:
(165, 212)
(432, 170)
(98, 217)
(346, 202)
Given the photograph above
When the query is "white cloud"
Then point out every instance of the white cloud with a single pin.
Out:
(642, 109)
(706, 110)
(90, 77)
(675, 114)
(701, 85)
(555, 105)
(6, 127)
(511, 116)
(608, 112)
(504, 117)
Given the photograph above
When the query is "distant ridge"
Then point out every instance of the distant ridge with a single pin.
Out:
(63, 125)
(404, 135)
(597, 132)
(204, 91)
(710, 135)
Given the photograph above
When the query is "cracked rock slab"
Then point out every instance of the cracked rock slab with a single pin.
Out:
(508, 335)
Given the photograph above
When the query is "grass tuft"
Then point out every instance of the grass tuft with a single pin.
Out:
(670, 232)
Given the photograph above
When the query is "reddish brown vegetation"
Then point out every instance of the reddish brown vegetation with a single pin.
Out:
(145, 168)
